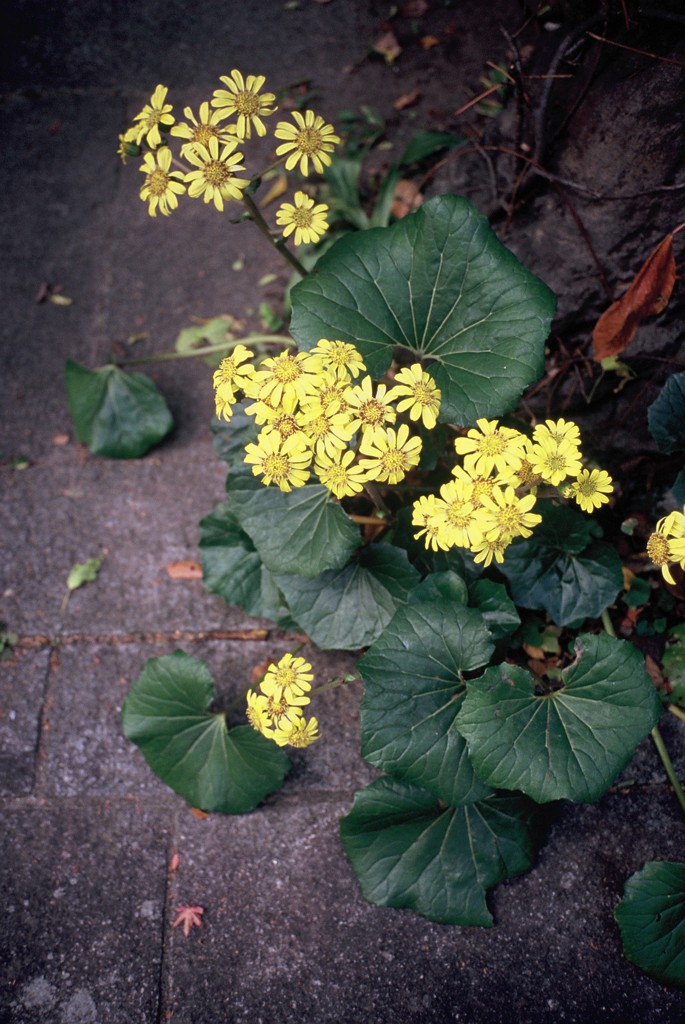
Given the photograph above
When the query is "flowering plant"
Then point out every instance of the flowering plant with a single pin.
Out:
(384, 497)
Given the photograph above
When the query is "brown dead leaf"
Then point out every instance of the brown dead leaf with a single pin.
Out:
(655, 673)
(387, 46)
(407, 198)
(184, 570)
(407, 100)
(60, 440)
(173, 863)
(260, 670)
(428, 41)
(278, 189)
(198, 813)
(536, 653)
(648, 295)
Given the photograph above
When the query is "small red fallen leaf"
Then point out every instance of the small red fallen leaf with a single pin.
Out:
(173, 864)
(189, 917)
(198, 813)
(648, 295)
(653, 671)
(60, 439)
(388, 47)
(408, 100)
(428, 41)
(184, 570)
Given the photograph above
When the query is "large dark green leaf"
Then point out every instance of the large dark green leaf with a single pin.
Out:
(651, 917)
(439, 283)
(214, 768)
(118, 414)
(348, 608)
(666, 415)
(301, 532)
(562, 569)
(414, 687)
(409, 850)
(496, 607)
(571, 743)
(232, 568)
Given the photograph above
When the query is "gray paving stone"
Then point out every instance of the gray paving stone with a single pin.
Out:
(81, 934)
(23, 681)
(314, 950)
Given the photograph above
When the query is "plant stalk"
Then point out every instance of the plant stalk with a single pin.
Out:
(206, 350)
(280, 246)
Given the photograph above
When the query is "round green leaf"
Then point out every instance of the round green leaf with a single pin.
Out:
(408, 850)
(562, 569)
(441, 284)
(569, 744)
(666, 415)
(496, 607)
(232, 568)
(349, 608)
(121, 415)
(414, 687)
(651, 918)
(167, 715)
(300, 532)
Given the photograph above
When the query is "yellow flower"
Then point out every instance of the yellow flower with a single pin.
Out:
(506, 516)
(257, 713)
(667, 544)
(242, 98)
(202, 129)
(554, 460)
(214, 178)
(306, 220)
(559, 431)
(427, 514)
(128, 145)
(161, 189)
(370, 412)
(457, 516)
(391, 455)
(591, 489)
(230, 371)
(328, 430)
(299, 732)
(338, 357)
(154, 114)
(490, 447)
(482, 485)
(328, 389)
(486, 549)
(282, 462)
(281, 378)
(290, 678)
(339, 475)
(419, 395)
(309, 138)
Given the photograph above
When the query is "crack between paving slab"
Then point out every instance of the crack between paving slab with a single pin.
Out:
(170, 896)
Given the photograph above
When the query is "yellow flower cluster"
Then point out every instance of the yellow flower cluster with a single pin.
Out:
(211, 138)
(666, 545)
(490, 501)
(318, 413)
(276, 710)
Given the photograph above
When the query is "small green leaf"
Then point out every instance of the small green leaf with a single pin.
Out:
(651, 918)
(561, 569)
(408, 850)
(426, 143)
(413, 689)
(348, 608)
(84, 572)
(190, 748)
(232, 568)
(440, 284)
(666, 415)
(120, 415)
(568, 744)
(301, 532)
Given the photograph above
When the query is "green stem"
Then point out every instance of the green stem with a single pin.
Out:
(280, 245)
(668, 766)
(655, 734)
(332, 684)
(678, 712)
(225, 346)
